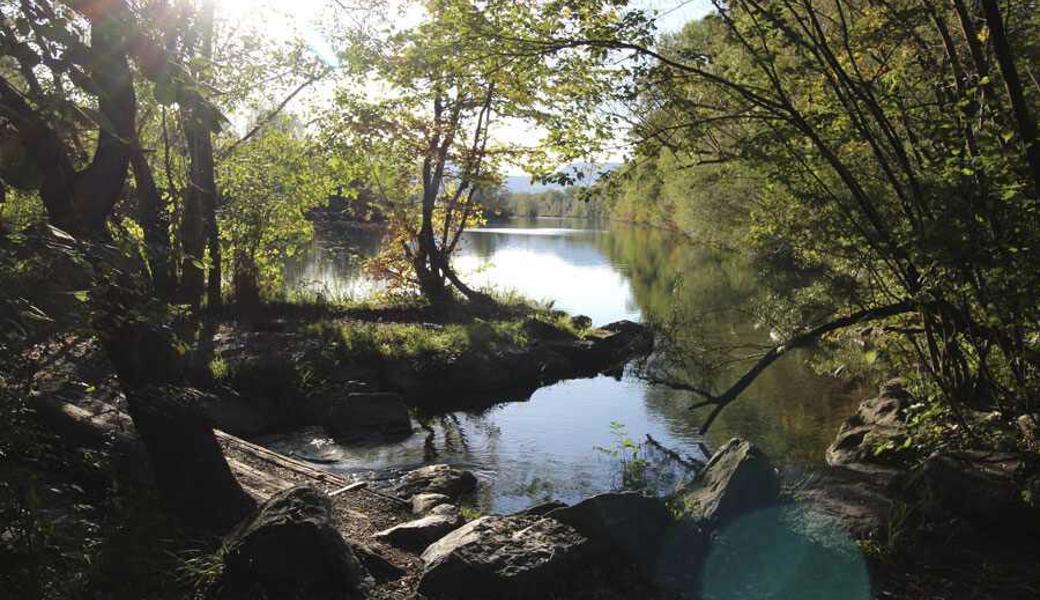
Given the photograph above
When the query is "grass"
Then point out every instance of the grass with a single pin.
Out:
(407, 334)
(419, 340)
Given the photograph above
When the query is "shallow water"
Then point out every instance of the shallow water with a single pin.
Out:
(562, 443)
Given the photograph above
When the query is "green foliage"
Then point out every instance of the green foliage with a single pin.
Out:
(632, 466)
(268, 186)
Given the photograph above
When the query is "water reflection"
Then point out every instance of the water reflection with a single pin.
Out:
(546, 447)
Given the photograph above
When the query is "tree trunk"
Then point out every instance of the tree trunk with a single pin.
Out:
(190, 470)
(80, 202)
(200, 203)
(1019, 105)
(151, 214)
(193, 477)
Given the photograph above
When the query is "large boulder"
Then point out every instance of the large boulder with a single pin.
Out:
(738, 479)
(503, 557)
(437, 479)
(879, 421)
(290, 549)
(361, 414)
(420, 533)
(627, 523)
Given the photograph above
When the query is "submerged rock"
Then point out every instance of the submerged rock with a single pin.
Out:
(420, 533)
(503, 557)
(290, 548)
(738, 479)
(437, 479)
(364, 413)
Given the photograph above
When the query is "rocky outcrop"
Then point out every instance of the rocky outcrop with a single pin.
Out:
(738, 479)
(880, 421)
(420, 533)
(363, 414)
(436, 479)
(290, 548)
(503, 557)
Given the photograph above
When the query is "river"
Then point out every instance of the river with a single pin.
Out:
(564, 442)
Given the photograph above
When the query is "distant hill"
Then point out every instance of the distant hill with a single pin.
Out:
(521, 184)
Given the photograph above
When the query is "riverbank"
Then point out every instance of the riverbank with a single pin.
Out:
(844, 531)
(940, 529)
(358, 370)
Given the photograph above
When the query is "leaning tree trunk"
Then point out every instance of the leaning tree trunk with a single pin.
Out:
(191, 473)
(193, 477)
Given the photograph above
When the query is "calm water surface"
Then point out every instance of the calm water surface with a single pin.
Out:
(553, 445)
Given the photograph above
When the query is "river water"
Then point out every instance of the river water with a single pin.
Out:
(563, 443)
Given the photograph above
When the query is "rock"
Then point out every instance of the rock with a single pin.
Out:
(581, 322)
(423, 503)
(364, 413)
(480, 372)
(626, 338)
(878, 421)
(606, 347)
(377, 565)
(497, 557)
(420, 533)
(975, 487)
(538, 329)
(628, 523)
(290, 549)
(314, 408)
(539, 510)
(738, 479)
(437, 479)
(238, 416)
(857, 501)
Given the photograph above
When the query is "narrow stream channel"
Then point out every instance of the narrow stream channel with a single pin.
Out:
(556, 444)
